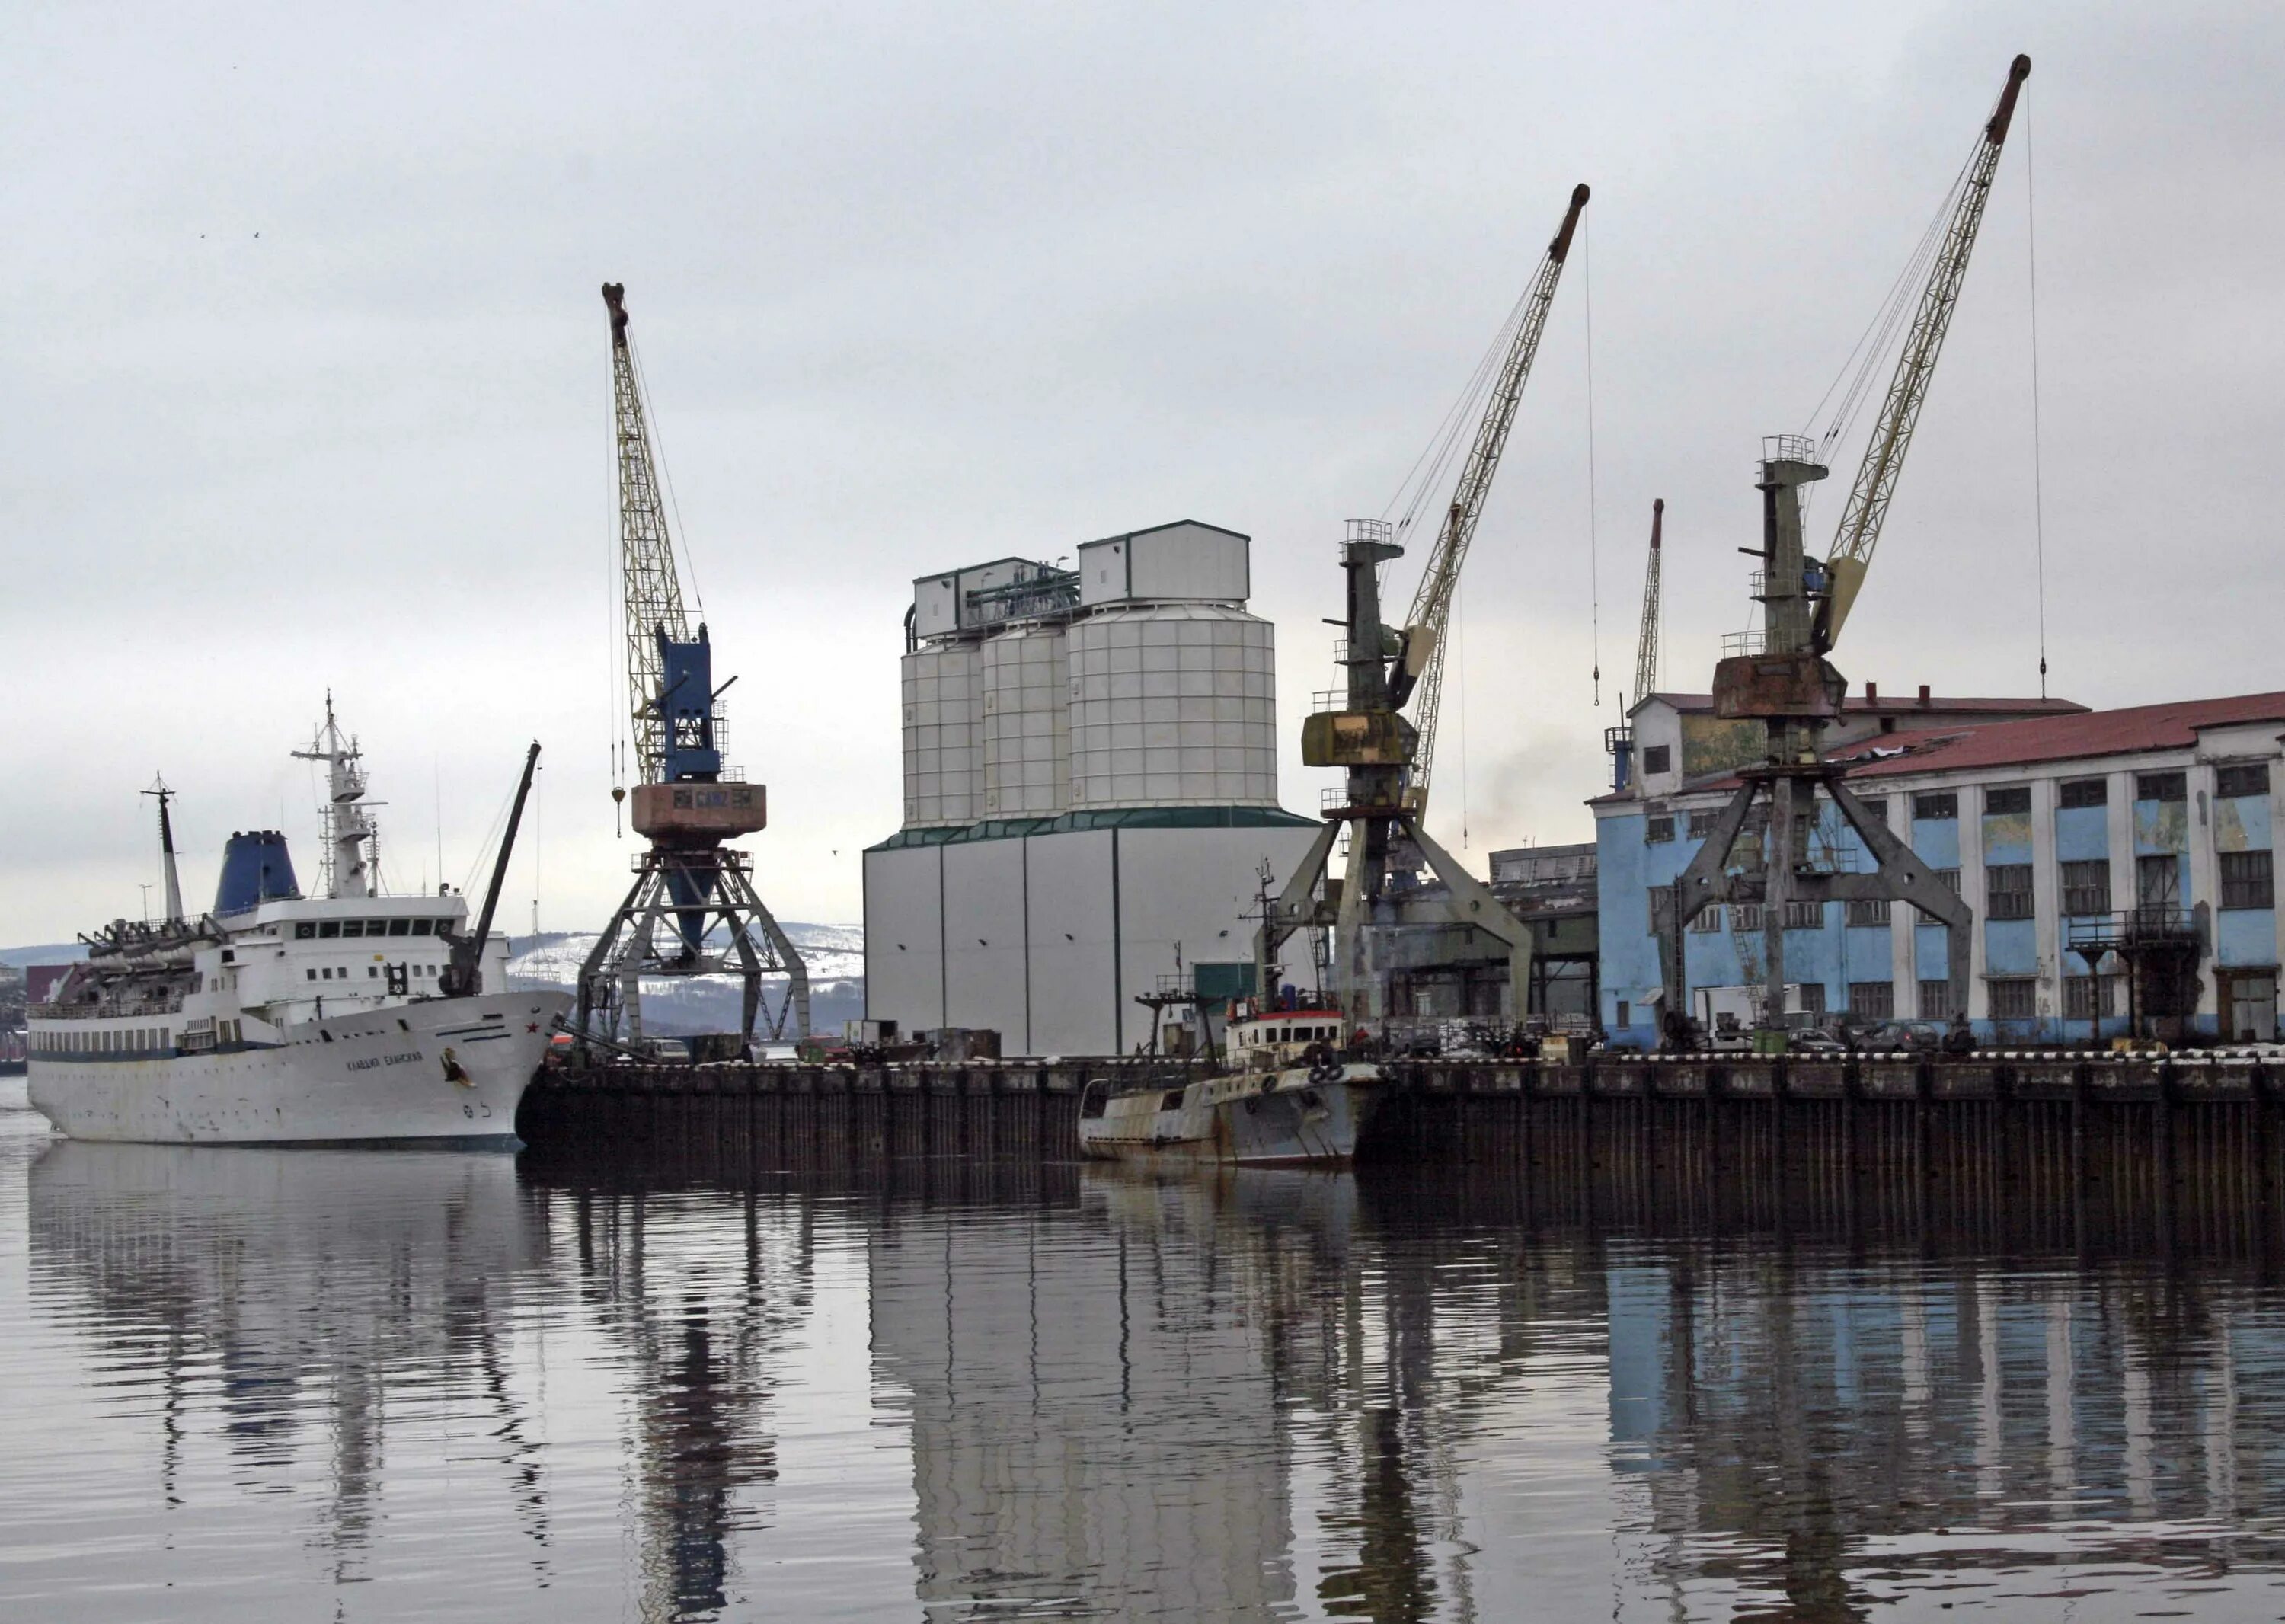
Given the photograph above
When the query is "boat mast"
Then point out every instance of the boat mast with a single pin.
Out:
(167, 850)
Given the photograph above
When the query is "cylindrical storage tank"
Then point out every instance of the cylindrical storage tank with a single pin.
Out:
(1172, 704)
(1026, 685)
(944, 736)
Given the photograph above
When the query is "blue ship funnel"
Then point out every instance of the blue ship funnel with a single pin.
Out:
(255, 868)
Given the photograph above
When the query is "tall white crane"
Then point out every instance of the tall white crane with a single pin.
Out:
(1422, 668)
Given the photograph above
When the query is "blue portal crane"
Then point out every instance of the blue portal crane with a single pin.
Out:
(693, 910)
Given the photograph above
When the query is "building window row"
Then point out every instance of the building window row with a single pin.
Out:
(1868, 911)
(2085, 997)
(2014, 998)
(2014, 798)
(2086, 887)
(2241, 778)
(2007, 890)
(2248, 880)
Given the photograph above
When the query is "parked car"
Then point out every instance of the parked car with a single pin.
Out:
(1814, 1042)
(1916, 1037)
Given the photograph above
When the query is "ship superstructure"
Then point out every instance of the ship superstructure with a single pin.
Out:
(280, 1017)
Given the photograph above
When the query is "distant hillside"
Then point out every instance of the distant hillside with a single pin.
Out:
(44, 952)
(833, 954)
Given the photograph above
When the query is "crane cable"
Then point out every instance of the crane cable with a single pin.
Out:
(1428, 469)
(1460, 692)
(1594, 561)
(2038, 482)
(665, 469)
(1877, 343)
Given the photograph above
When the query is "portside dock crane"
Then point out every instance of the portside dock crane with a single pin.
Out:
(1619, 742)
(693, 910)
(1789, 685)
(1387, 756)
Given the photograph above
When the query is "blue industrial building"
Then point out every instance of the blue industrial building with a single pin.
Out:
(2113, 860)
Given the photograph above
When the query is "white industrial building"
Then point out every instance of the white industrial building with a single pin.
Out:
(1090, 780)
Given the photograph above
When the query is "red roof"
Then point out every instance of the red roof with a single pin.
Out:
(1856, 704)
(2063, 738)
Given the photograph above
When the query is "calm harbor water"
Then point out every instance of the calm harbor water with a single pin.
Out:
(332, 1384)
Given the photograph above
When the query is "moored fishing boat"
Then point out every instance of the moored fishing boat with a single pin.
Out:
(1296, 1094)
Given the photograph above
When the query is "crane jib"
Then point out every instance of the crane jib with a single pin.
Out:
(1859, 532)
(1431, 602)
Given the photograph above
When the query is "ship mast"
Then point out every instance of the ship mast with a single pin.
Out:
(351, 839)
(167, 850)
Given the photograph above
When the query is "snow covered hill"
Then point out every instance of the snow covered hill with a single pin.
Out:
(834, 955)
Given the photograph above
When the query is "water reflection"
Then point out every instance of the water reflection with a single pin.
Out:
(287, 1381)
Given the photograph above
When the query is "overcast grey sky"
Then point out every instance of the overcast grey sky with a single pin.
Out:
(308, 385)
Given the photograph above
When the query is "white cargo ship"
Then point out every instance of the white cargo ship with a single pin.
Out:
(346, 1016)
(1297, 1095)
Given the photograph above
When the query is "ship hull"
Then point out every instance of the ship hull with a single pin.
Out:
(432, 1071)
(1290, 1118)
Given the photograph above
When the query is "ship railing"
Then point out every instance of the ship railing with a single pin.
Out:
(104, 1012)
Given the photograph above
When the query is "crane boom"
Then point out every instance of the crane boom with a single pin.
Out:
(1851, 552)
(1423, 667)
(1646, 644)
(653, 603)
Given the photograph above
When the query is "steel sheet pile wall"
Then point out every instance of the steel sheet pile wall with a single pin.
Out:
(2181, 1151)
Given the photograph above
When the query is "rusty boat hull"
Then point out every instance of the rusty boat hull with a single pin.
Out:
(1297, 1117)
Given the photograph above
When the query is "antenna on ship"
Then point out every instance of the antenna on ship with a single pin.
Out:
(352, 844)
(167, 849)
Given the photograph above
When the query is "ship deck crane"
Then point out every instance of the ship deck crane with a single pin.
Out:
(693, 910)
(1791, 686)
(1386, 755)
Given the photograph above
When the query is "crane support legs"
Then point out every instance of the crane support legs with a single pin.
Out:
(1721, 873)
(1361, 972)
(693, 911)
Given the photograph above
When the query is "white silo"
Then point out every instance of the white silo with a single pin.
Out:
(943, 735)
(1026, 676)
(1172, 704)
(1090, 792)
